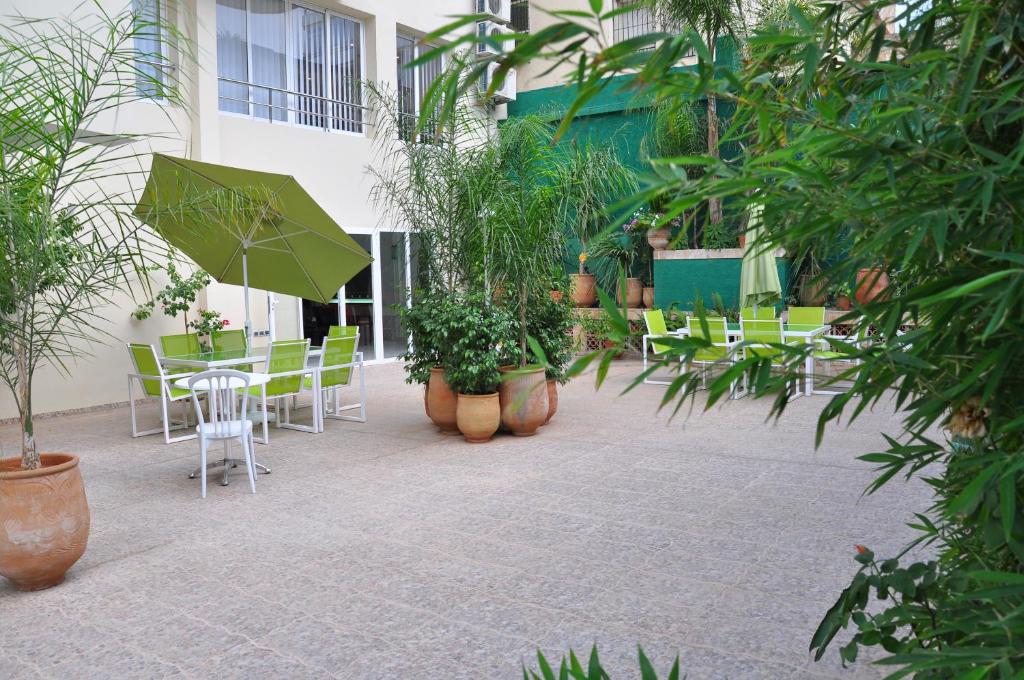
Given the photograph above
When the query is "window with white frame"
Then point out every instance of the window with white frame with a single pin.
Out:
(150, 45)
(413, 83)
(282, 61)
(639, 20)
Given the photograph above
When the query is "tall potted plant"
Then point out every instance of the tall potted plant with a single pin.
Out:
(428, 322)
(549, 324)
(623, 247)
(68, 249)
(589, 180)
(481, 331)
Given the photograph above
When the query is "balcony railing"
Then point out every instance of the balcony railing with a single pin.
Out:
(280, 105)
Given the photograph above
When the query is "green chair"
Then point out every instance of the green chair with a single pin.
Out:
(766, 313)
(286, 365)
(763, 339)
(656, 328)
(829, 352)
(231, 341)
(156, 384)
(338, 362)
(806, 316)
(342, 331)
(179, 345)
(721, 351)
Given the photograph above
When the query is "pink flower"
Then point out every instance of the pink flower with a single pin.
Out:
(224, 322)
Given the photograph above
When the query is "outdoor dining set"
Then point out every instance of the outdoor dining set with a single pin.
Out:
(222, 376)
(757, 333)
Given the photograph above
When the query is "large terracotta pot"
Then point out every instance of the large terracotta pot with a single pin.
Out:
(813, 292)
(441, 402)
(478, 416)
(649, 297)
(552, 400)
(659, 238)
(634, 292)
(44, 520)
(872, 284)
(584, 290)
(524, 400)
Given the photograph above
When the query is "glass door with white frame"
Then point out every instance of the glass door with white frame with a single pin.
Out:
(357, 302)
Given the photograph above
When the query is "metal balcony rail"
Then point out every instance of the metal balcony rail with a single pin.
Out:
(300, 108)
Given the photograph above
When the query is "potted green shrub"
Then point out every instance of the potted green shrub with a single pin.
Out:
(68, 249)
(623, 247)
(549, 323)
(472, 360)
(842, 293)
(428, 321)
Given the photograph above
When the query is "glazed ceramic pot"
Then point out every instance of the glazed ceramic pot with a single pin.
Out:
(634, 292)
(524, 400)
(649, 297)
(871, 285)
(584, 290)
(441, 402)
(552, 400)
(44, 520)
(659, 238)
(478, 416)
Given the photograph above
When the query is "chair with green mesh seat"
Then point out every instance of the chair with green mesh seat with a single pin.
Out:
(656, 328)
(286, 366)
(342, 331)
(764, 338)
(829, 351)
(231, 341)
(338, 362)
(721, 350)
(156, 384)
(766, 312)
(179, 345)
(806, 316)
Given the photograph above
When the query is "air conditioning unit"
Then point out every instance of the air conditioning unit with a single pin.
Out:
(496, 10)
(489, 29)
(507, 92)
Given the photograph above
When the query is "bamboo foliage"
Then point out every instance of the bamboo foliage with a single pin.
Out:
(67, 187)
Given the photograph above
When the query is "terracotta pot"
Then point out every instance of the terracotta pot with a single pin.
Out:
(872, 284)
(813, 292)
(743, 240)
(584, 289)
(649, 297)
(659, 238)
(556, 295)
(843, 302)
(524, 400)
(609, 344)
(478, 416)
(634, 293)
(552, 400)
(441, 402)
(44, 520)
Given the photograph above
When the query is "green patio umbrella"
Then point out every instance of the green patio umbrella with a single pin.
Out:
(759, 277)
(249, 228)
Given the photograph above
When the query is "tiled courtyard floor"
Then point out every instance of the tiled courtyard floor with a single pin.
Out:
(387, 550)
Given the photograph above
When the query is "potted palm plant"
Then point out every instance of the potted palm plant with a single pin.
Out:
(481, 331)
(68, 250)
(622, 246)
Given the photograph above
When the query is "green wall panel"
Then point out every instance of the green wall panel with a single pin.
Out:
(685, 281)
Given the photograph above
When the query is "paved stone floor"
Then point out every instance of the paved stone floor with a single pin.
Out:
(387, 550)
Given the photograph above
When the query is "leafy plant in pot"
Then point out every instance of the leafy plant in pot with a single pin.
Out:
(68, 250)
(472, 361)
(428, 322)
(622, 246)
(549, 324)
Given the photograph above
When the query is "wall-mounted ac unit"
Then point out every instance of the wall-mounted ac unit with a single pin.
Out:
(490, 29)
(497, 10)
(504, 94)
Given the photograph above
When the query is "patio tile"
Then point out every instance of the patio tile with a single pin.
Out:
(386, 550)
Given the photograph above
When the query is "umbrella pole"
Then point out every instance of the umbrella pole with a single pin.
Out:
(245, 287)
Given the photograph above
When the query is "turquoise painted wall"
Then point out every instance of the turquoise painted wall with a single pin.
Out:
(683, 282)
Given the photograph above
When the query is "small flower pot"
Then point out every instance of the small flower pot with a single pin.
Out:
(659, 239)
(556, 295)
(478, 416)
(44, 520)
(610, 344)
(584, 290)
(634, 293)
(649, 297)
(843, 303)
(441, 402)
